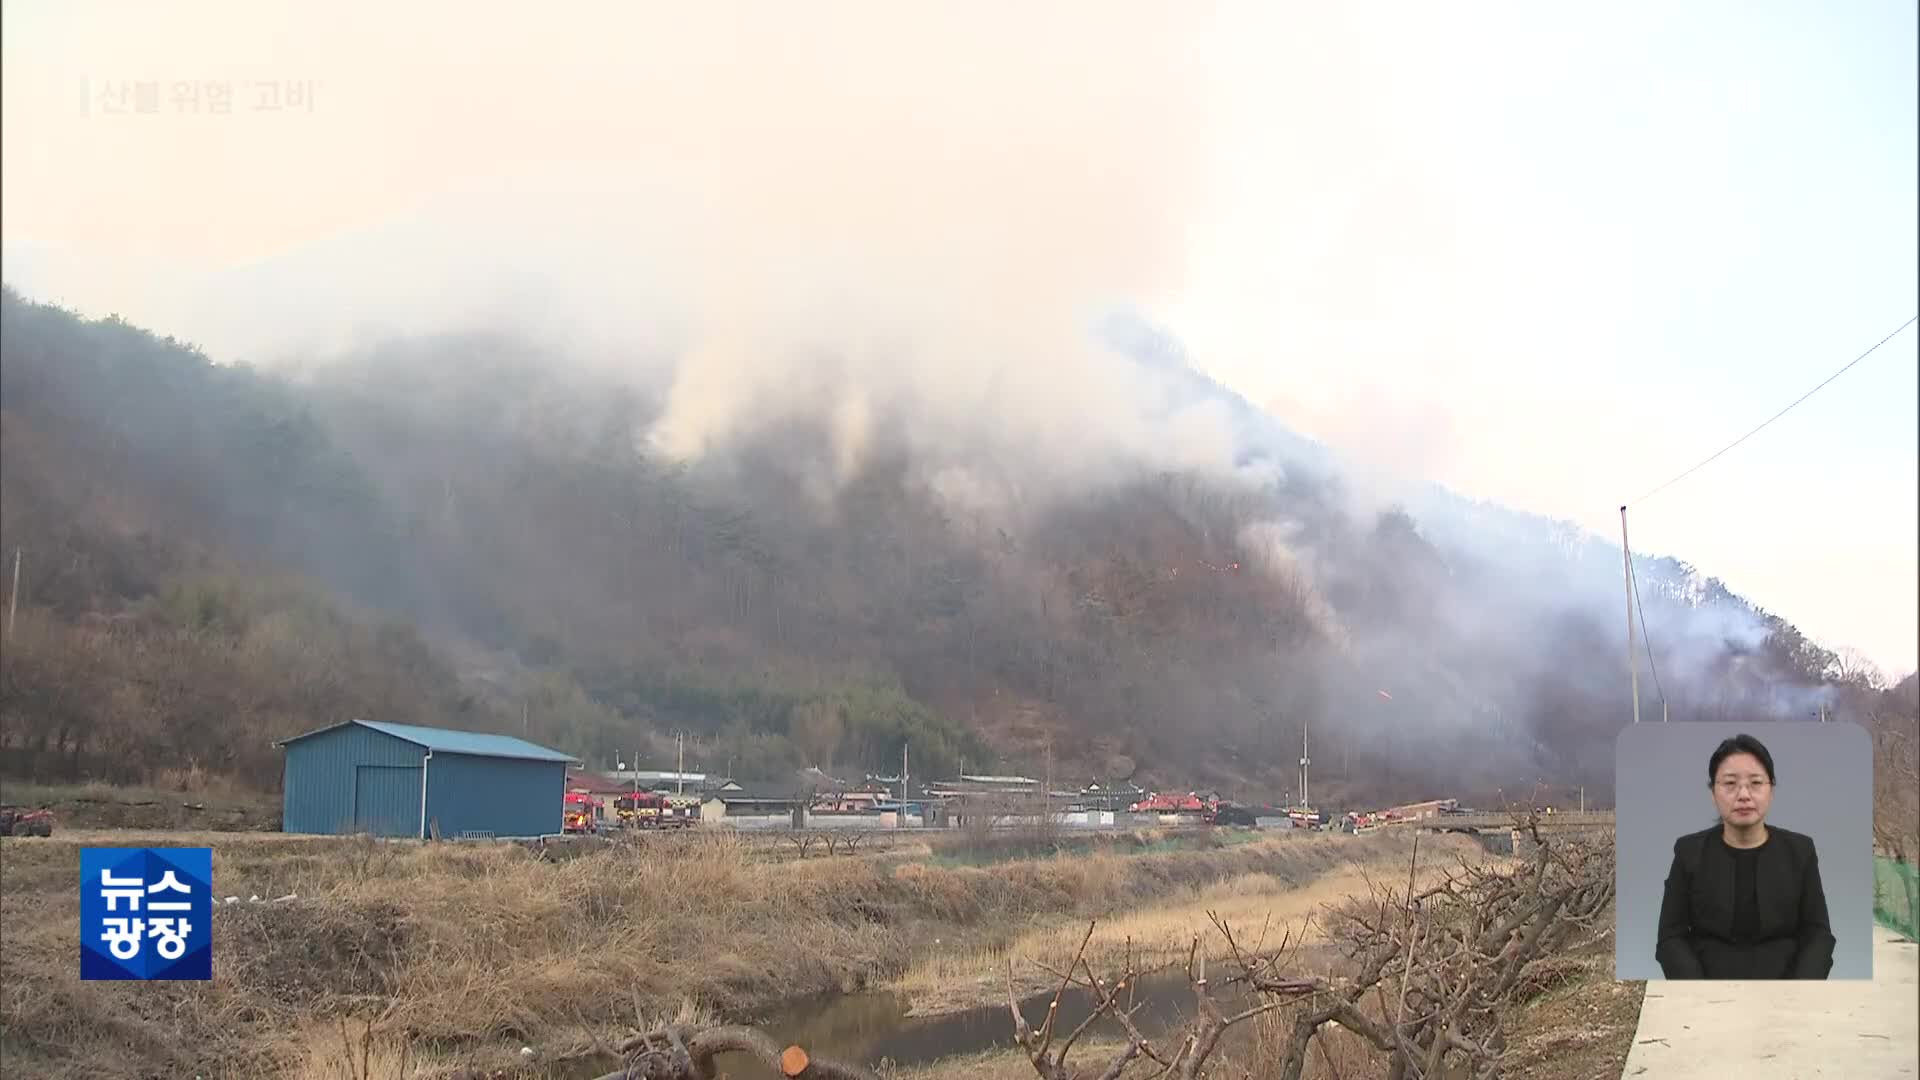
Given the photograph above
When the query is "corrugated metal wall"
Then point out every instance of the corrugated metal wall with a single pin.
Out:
(502, 796)
(323, 792)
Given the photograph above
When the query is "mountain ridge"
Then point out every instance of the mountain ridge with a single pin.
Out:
(499, 523)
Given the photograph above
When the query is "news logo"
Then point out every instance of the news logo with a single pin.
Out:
(146, 913)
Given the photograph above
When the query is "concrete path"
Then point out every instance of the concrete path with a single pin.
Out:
(1855, 1029)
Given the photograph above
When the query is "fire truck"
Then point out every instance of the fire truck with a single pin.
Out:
(650, 810)
(580, 813)
(25, 821)
(1306, 817)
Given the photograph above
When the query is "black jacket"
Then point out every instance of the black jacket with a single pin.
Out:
(1795, 940)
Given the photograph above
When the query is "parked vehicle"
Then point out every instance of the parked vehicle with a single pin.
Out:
(1227, 813)
(581, 814)
(650, 810)
(25, 821)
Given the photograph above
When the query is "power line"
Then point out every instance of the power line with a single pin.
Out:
(1777, 415)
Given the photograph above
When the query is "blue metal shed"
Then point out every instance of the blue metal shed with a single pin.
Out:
(402, 780)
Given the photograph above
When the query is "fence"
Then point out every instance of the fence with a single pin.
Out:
(1896, 896)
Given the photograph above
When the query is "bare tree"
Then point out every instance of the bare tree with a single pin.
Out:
(1428, 975)
(1896, 783)
(1853, 667)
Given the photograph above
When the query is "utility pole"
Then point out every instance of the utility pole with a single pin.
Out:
(680, 770)
(1304, 762)
(903, 783)
(1626, 561)
(526, 725)
(1046, 797)
(13, 604)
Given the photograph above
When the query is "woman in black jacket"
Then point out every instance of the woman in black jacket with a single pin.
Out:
(1743, 899)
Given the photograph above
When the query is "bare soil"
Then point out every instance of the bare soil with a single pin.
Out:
(1581, 1029)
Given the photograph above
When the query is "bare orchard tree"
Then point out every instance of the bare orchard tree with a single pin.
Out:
(836, 841)
(1896, 784)
(985, 814)
(1429, 973)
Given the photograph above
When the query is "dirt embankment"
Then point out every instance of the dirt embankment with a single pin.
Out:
(475, 950)
(98, 806)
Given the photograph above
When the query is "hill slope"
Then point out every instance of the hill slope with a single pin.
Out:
(467, 531)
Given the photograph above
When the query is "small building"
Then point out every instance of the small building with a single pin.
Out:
(742, 806)
(660, 779)
(848, 802)
(1422, 810)
(367, 776)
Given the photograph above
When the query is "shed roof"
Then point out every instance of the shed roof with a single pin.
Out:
(759, 793)
(449, 741)
(595, 782)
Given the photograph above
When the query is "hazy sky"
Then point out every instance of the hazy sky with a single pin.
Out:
(1545, 254)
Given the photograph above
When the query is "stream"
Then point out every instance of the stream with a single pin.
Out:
(869, 1026)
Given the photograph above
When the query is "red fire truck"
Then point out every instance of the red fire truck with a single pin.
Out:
(650, 810)
(580, 813)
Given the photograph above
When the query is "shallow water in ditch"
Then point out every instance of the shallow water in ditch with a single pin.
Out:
(871, 1026)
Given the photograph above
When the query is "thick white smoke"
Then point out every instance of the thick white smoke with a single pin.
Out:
(926, 231)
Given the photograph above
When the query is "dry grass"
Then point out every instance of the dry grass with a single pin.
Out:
(475, 950)
(958, 975)
(1346, 1057)
(1005, 1064)
(179, 799)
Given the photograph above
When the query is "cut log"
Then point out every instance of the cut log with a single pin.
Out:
(793, 1061)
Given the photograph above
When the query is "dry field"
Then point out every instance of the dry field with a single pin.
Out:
(1578, 1026)
(1156, 935)
(472, 951)
(1581, 1029)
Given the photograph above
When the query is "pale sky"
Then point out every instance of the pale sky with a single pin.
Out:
(1543, 254)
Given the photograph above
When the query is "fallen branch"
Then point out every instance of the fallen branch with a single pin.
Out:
(677, 1052)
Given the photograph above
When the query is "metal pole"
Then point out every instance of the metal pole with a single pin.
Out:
(13, 604)
(1626, 561)
(1305, 802)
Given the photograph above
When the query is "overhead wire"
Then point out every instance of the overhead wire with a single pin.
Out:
(1633, 578)
(1646, 636)
(1769, 420)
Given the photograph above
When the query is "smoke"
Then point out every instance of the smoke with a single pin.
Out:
(926, 230)
(902, 229)
(1274, 549)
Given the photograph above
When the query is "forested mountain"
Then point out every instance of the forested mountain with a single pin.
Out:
(472, 532)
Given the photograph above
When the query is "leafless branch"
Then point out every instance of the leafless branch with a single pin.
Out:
(675, 1052)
